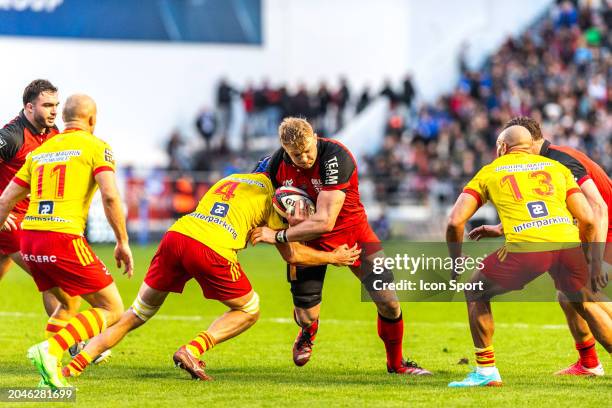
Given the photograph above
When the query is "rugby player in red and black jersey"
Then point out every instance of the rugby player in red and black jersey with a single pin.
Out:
(597, 188)
(32, 127)
(327, 171)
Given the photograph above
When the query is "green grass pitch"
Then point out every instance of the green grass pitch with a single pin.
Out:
(348, 364)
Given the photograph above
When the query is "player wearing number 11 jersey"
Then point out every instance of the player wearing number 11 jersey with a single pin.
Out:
(61, 177)
(537, 199)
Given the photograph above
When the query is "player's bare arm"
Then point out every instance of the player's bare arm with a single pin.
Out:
(599, 207)
(579, 207)
(114, 214)
(329, 204)
(299, 254)
(600, 218)
(10, 196)
(464, 208)
(486, 231)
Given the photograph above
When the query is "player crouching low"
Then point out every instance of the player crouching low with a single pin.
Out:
(203, 245)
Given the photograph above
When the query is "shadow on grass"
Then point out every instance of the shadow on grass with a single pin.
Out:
(325, 377)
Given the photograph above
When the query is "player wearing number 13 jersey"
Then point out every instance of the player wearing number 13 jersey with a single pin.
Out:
(529, 193)
(537, 199)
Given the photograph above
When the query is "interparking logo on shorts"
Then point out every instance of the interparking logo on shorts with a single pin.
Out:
(537, 209)
(45, 207)
(219, 209)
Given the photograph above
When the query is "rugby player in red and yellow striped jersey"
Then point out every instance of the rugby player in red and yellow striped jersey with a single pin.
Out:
(597, 188)
(61, 177)
(203, 245)
(537, 199)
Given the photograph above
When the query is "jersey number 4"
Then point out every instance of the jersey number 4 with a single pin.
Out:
(226, 190)
(57, 178)
(545, 188)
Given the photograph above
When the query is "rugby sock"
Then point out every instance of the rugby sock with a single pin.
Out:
(81, 327)
(201, 343)
(391, 332)
(485, 360)
(312, 330)
(588, 355)
(77, 365)
(53, 326)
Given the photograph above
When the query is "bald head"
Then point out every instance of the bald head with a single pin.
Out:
(80, 112)
(514, 138)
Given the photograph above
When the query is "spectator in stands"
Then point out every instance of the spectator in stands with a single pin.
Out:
(322, 101)
(408, 91)
(387, 91)
(178, 159)
(224, 105)
(363, 101)
(341, 100)
(300, 103)
(206, 124)
(557, 71)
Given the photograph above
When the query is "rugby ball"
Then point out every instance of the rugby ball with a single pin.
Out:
(286, 198)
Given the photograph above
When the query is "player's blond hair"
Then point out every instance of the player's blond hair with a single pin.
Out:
(295, 132)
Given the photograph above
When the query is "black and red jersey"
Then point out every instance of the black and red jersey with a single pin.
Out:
(17, 139)
(583, 169)
(334, 169)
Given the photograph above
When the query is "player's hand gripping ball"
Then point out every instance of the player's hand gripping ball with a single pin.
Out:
(286, 199)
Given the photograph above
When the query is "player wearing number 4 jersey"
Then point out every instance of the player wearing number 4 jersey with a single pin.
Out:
(537, 199)
(61, 177)
(203, 245)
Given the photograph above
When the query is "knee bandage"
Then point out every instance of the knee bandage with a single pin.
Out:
(142, 310)
(252, 306)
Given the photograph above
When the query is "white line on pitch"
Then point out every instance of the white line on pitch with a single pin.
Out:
(283, 320)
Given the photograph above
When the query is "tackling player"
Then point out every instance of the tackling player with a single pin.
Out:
(32, 127)
(597, 188)
(327, 171)
(203, 245)
(537, 199)
(61, 177)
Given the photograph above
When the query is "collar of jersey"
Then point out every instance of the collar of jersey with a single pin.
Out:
(68, 130)
(544, 148)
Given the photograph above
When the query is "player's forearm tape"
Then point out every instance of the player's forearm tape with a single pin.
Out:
(252, 306)
(281, 236)
(142, 310)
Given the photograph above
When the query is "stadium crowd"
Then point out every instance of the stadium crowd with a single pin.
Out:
(558, 71)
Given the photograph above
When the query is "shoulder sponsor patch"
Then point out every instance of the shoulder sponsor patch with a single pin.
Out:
(108, 156)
